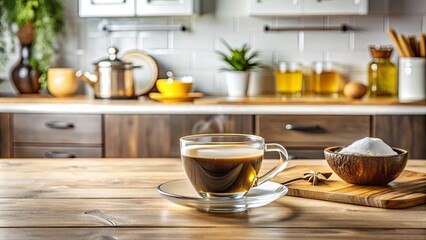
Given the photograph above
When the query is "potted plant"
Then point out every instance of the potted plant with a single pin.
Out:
(240, 63)
(36, 23)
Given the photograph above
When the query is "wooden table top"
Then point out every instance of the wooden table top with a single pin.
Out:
(117, 199)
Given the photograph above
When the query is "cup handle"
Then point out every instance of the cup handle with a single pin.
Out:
(273, 147)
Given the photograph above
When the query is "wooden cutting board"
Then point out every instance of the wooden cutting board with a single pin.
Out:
(408, 190)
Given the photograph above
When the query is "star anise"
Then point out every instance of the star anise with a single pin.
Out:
(312, 177)
(315, 177)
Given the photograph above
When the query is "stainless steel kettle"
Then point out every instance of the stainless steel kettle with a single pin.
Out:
(113, 78)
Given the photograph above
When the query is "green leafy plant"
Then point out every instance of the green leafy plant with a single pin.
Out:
(46, 17)
(239, 59)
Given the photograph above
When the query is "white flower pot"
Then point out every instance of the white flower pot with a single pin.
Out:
(237, 82)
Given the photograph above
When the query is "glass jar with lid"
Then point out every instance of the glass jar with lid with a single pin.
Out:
(288, 79)
(382, 73)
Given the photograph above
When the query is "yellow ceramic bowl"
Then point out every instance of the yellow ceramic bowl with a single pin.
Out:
(173, 88)
(62, 82)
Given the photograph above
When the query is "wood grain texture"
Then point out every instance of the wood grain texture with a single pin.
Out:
(405, 46)
(133, 136)
(230, 233)
(158, 135)
(5, 135)
(409, 189)
(422, 44)
(117, 199)
(394, 37)
(351, 168)
(333, 130)
(406, 132)
(32, 128)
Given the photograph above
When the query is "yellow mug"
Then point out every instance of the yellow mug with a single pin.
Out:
(62, 82)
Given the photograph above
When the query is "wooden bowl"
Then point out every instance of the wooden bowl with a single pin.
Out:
(366, 169)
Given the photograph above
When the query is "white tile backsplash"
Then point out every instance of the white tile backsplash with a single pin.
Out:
(277, 41)
(192, 52)
(326, 41)
(369, 23)
(206, 61)
(152, 40)
(406, 24)
(252, 24)
(178, 63)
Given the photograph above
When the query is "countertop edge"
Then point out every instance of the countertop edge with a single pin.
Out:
(228, 109)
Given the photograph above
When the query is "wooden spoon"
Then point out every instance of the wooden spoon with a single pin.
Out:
(405, 45)
(423, 45)
(413, 45)
(394, 37)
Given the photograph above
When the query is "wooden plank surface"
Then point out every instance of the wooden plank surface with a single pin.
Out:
(231, 233)
(409, 189)
(117, 199)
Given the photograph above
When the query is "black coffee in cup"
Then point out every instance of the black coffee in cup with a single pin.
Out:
(222, 170)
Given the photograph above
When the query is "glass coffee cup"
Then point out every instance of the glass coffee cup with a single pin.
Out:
(289, 79)
(227, 165)
(325, 78)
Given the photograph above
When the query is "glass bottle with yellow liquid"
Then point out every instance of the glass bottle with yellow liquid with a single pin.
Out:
(325, 78)
(382, 73)
(289, 79)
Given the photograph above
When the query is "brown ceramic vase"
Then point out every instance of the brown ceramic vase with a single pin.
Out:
(25, 77)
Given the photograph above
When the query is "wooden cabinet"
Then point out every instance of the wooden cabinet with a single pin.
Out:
(307, 136)
(405, 131)
(142, 135)
(5, 136)
(307, 7)
(158, 135)
(56, 135)
(57, 128)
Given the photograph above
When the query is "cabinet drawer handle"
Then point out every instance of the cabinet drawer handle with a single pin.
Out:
(59, 155)
(59, 125)
(306, 128)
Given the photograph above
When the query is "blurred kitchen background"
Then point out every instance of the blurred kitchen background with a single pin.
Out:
(192, 52)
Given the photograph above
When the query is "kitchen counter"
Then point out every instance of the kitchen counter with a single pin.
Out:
(212, 105)
(117, 199)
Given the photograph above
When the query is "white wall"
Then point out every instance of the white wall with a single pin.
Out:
(192, 53)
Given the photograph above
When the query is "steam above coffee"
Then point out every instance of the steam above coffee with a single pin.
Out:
(222, 170)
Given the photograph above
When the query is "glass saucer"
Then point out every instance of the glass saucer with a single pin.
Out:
(181, 192)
